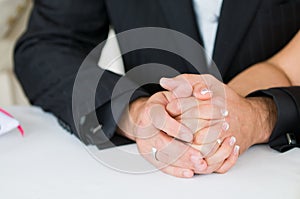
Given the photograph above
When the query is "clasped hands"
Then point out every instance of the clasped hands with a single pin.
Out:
(198, 126)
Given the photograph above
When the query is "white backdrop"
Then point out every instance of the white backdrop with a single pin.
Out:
(48, 162)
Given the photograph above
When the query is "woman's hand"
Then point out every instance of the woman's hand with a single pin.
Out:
(149, 124)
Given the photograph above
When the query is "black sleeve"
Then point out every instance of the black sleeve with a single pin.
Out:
(59, 36)
(286, 133)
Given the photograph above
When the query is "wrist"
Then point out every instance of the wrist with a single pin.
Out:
(129, 118)
(265, 117)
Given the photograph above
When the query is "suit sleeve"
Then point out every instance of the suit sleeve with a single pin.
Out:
(59, 36)
(286, 133)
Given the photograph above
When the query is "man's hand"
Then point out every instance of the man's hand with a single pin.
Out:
(206, 113)
(251, 120)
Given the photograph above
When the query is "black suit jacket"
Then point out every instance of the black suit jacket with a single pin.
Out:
(61, 34)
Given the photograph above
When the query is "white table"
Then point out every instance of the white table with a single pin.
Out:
(50, 163)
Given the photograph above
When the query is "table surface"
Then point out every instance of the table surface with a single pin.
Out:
(50, 163)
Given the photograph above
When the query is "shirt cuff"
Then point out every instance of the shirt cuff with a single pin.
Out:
(285, 135)
(99, 127)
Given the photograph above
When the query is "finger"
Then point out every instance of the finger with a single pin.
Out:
(207, 149)
(182, 85)
(212, 133)
(205, 111)
(211, 168)
(178, 172)
(181, 105)
(144, 132)
(214, 88)
(171, 170)
(170, 152)
(175, 153)
(163, 121)
(223, 152)
(230, 161)
(202, 92)
(205, 81)
(218, 159)
(196, 124)
(178, 86)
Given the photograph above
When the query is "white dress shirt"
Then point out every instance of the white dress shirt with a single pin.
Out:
(208, 13)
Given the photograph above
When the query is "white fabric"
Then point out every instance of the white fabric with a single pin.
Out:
(111, 58)
(50, 163)
(7, 123)
(208, 13)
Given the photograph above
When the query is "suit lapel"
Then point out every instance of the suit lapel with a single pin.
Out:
(180, 16)
(235, 19)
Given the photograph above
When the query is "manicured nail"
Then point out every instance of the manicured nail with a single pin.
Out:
(205, 91)
(224, 112)
(225, 126)
(188, 174)
(232, 141)
(236, 150)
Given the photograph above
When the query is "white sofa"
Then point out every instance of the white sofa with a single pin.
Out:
(13, 18)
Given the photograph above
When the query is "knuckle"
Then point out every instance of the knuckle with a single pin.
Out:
(176, 106)
(147, 109)
(141, 124)
(199, 138)
(232, 161)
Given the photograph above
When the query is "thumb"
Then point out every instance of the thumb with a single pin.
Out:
(179, 87)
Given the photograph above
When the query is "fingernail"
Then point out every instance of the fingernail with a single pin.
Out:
(187, 137)
(188, 174)
(224, 112)
(236, 150)
(225, 126)
(164, 81)
(232, 141)
(205, 91)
